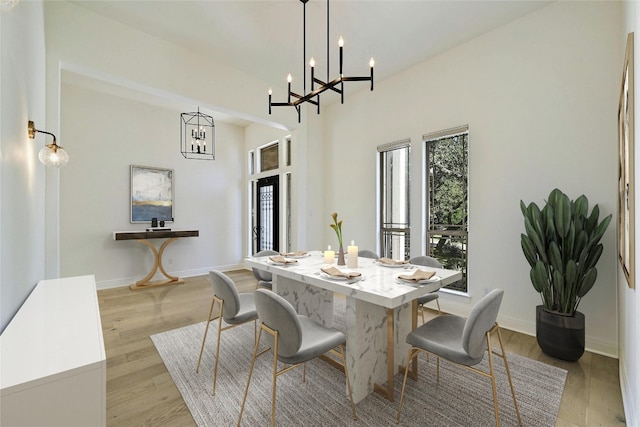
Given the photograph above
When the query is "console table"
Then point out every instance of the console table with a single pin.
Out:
(144, 237)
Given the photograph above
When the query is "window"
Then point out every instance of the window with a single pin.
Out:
(269, 157)
(287, 144)
(447, 200)
(395, 231)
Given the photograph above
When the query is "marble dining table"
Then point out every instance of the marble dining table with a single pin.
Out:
(380, 311)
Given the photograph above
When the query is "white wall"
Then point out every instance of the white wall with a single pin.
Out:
(540, 98)
(22, 177)
(629, 299)
(104, 135)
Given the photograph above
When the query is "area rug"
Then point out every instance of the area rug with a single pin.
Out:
(460, 398)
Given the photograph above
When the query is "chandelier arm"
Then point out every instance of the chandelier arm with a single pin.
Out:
(328, 40)
(304, 46)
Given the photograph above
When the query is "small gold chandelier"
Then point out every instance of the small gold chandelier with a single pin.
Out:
(336, 85)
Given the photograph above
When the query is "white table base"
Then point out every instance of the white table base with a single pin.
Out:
(376, 336)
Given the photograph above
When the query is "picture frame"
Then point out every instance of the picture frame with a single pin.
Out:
(626, 168)
(152, 194)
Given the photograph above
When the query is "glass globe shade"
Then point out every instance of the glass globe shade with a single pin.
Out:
(53, 157)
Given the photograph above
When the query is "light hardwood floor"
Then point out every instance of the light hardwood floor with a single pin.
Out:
(140, 391)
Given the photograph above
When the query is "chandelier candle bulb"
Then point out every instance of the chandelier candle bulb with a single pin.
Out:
(352, 255)
(312, 64)
(341, 44)
(329, 255)
(371, 64)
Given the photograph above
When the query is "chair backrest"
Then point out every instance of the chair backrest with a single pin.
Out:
(225, 289)
(366, 253)
(261, 274)
(427, 261)
(481, 319)
(278, 314)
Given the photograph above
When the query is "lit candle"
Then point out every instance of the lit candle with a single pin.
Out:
(371, 64)
(289, 78)
(341, 44)
(329, 255)
(312, 64)
(352, 256)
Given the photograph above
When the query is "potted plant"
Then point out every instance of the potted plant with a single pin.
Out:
(562, 247)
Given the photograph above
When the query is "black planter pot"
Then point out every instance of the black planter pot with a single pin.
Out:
(560, 336)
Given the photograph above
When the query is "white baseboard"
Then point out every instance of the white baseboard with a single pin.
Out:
(118, 283)
(628, 399)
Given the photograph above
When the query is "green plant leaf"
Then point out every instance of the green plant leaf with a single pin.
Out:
(588, 282)
(580, 243)
(562, 214)
(529, 249)
(555, 258)
(535, 238)
(581, 206)
(547, 214)
(539, 277)
(592, 221)
(594, 256)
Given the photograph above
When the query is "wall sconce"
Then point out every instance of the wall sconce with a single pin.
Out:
(52, 154)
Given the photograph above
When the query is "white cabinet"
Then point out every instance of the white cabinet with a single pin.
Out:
(52, 359)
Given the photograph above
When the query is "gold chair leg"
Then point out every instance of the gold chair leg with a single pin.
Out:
(275, 376)
(246, 390)
(422, 312)
(439, 311)
(493, 380)
(215, 369)
(413, 352)
(506, 366)
(206, 329)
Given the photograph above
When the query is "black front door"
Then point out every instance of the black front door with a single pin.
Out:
(267, 232)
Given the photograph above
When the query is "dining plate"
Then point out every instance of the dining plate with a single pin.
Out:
(298, 256)
(420, 282)
(339, 278)
(382, 264)
(282, 264)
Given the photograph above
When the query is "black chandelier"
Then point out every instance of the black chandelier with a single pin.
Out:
(197, 130)
(336, 85)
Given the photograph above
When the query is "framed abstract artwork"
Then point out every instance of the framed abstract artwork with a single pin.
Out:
(626, 169)
(151, 194)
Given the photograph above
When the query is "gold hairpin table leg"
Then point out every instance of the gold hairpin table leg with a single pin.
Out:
(157, 263)
(388, 390)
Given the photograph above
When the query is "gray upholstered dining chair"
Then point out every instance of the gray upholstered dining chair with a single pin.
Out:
(264, 277)
(366, 253)
(463, 342)
(427, 261)
(294, 339)
(235, 308)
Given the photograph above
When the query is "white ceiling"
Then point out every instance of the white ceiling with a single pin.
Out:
(264, 37)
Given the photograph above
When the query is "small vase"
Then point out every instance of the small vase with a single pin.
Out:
(341, 256)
